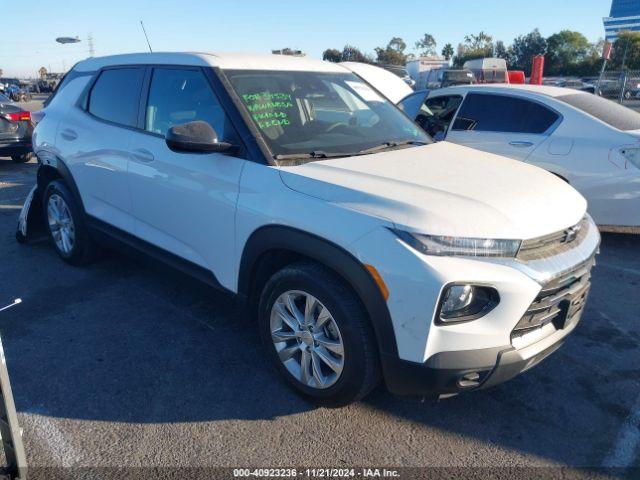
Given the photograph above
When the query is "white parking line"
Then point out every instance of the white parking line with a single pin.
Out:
(627, 445)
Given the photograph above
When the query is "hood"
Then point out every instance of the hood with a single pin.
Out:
(445, 189)
(387, 83)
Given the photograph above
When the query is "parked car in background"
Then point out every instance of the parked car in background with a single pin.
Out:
(611, 88)
(591, 142)
(572, 83)
(16, 129)
(365, 251)
(444, 77)
(401, 72)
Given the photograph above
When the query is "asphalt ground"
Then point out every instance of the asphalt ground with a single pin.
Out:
(128, 364)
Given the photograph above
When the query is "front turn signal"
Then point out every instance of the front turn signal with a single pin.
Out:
(378, 279)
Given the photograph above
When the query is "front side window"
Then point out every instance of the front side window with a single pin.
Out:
(116, 96)
(502, 113)
(179, 96)
(436, 114)
(305, 112)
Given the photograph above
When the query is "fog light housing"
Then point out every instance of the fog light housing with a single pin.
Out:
(464, 302)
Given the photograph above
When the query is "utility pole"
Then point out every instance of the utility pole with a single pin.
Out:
(622, 81)
(92, 51)
(606, 55)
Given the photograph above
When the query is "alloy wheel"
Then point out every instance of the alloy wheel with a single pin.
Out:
(60, 223)
(307, 339)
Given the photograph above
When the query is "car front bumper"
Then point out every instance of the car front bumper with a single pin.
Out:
(541, 302)
(454, 372)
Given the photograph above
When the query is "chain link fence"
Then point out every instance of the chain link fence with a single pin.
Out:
(620, 86)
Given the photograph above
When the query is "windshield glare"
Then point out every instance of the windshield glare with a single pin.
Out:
(304, 112)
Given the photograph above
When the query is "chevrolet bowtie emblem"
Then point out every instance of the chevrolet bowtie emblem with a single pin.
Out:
(571, 234)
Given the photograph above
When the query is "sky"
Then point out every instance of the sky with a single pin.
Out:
(28, 38)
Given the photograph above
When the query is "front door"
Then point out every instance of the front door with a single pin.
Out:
(502, 124)
(185, 203)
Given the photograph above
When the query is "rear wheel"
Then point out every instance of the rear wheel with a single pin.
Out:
(318, 335)
(66, 225)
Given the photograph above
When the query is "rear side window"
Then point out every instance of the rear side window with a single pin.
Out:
(501, 113)
(609, 112)
(116, 95)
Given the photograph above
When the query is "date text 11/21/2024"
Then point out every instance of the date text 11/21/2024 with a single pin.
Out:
(317, 472)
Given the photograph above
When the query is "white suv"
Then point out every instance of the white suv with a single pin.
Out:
(363, 250)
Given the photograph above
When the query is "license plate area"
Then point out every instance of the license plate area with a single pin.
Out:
(571, 309)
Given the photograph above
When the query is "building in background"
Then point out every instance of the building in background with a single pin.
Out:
(288, 51)
(625, 15)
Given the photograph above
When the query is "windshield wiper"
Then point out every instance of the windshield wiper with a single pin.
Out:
(387, 145)
(323, 154)
(314, 154)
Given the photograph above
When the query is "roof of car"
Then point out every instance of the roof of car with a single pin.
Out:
(547, 90)
(224, 60)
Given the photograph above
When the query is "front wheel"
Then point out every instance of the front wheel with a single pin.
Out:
(318, 335)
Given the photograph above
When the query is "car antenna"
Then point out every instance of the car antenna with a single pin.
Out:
(145, 35)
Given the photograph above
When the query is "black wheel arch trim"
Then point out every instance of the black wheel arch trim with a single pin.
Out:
(280, 237)
(46, 161)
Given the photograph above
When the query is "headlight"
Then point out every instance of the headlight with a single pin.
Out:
(463, 303)
(632, 155)
(459, 246)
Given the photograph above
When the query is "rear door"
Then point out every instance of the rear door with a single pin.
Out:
(503, 124)
(94, 143)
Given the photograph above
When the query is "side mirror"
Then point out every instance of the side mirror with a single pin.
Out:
(197, 137)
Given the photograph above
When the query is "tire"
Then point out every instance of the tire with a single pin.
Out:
(22, 158)
(348, 326)
(80, 250)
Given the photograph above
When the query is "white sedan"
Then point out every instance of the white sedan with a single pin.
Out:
(592, 143)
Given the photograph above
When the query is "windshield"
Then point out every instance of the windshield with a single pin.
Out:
(398, 71)
(309, 112)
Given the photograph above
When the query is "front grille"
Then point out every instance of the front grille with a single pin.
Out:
(554, 243)
(558, 302)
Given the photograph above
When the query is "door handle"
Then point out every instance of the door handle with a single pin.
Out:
(143, 155)
(69, 134)
(521, 144)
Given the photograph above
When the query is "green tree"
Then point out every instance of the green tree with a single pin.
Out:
(479, 42)
(332, 55)
(565, 51)
(397, 44)
(353, 54)
(500, 50)
(524, 48)
(447, 51)
(393, 53)
(427, 45)
(474, 46)
(626, 51)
